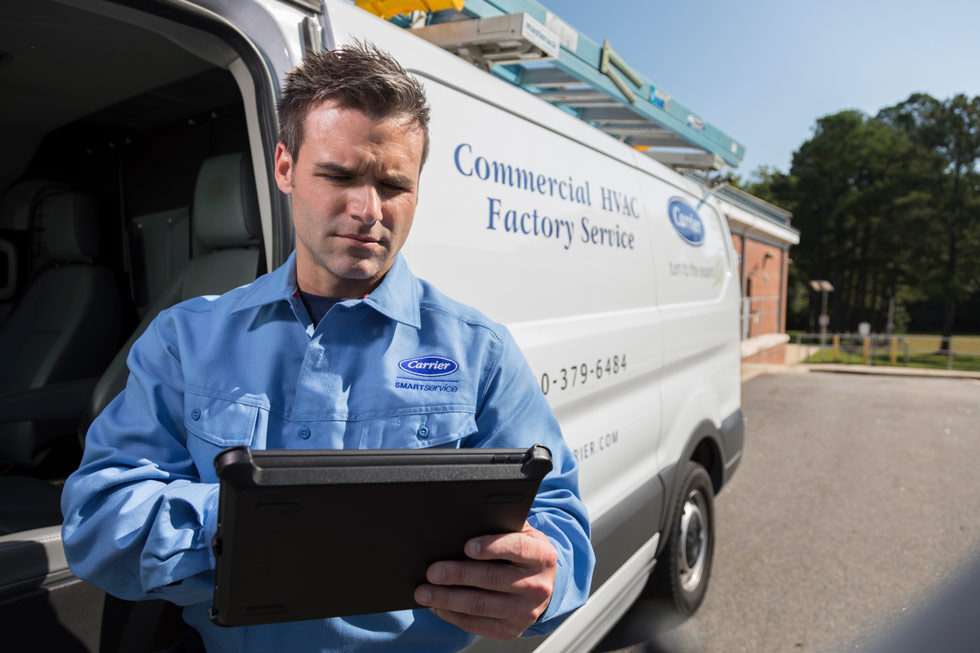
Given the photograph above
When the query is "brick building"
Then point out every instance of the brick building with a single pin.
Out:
(762, 236)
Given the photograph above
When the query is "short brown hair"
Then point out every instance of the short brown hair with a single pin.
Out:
(357, 76)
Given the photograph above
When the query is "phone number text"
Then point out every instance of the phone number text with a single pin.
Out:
(582, 373)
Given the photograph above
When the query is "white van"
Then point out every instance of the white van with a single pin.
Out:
(615, 274)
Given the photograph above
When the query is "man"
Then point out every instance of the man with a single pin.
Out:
(307, 357)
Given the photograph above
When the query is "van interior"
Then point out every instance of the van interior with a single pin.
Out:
(126, 163)
(126, 187)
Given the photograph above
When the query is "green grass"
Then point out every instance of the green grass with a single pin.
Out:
(923, 353)
(961, 344)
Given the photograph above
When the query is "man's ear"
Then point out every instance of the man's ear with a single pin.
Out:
(284, 169)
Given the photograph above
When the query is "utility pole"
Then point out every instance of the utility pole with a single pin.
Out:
(891, 317)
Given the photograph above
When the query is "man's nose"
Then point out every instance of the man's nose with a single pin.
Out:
(364, 204)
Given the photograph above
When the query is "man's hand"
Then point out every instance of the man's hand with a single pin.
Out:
(499, 594)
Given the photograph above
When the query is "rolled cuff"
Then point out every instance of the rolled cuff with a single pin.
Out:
(542, 625)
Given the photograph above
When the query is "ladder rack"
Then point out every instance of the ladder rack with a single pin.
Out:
(534, 49)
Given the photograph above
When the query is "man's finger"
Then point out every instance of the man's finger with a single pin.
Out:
(492, 628)
(473, 602)
(492, 575)
(527, 548)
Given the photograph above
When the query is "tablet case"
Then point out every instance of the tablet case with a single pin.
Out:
(315, 534)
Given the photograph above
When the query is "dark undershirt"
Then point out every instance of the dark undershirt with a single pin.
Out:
(317, 306)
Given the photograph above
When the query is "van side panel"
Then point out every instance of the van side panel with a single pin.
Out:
(550, 237)
(615, 274)
(564, 235)
(699, 295)
(538, 221)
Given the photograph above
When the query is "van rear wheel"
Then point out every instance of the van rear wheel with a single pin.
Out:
(684, 568)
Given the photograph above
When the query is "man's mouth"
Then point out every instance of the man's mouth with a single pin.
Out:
(358, 239)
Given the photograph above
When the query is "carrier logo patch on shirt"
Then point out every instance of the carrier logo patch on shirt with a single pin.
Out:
(429, 366)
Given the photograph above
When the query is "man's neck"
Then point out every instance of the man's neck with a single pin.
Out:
(312, 278)
(356, 289)
(317, 306)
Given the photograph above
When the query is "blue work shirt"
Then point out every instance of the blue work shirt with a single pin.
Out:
(250, 368)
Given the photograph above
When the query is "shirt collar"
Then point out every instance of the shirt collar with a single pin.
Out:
(280, 284)
(396, 297)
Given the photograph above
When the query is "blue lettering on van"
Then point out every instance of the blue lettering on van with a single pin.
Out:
(459, 167)
(515, 176)
(529, 223)
(616, 202)
(560, 230)
(429, 366)
(607, 236)
(686, 221)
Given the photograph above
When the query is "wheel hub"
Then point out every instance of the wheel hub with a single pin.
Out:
(693, 539)
(692, 546)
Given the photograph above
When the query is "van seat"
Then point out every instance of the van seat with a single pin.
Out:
(61, 334)
(226, 220)
(19, 203)
(18, 206)
(160, 247)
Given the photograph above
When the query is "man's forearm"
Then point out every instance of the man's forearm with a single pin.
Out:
(138, 534)
(138, 519)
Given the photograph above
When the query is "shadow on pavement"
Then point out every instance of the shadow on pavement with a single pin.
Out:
(649, 627)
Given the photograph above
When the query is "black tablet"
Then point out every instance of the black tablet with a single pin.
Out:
(315, 534)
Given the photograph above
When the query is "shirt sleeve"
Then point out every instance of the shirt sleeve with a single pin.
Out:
(515, 413)
(138, 519)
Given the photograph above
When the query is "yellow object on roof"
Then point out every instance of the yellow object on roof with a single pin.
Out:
(389, 8)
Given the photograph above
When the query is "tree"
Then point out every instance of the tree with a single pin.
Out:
(855, 188)
(888, 207)
(951, 130)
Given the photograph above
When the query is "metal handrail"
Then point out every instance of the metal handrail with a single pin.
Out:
(747, 314)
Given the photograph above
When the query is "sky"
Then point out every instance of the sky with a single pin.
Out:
(763, 71)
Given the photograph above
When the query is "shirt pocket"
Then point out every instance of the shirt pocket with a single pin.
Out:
(420, 431)
(219, 421)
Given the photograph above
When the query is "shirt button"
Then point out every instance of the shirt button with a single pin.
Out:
(423, 431)
(196, 414)
(304, 433)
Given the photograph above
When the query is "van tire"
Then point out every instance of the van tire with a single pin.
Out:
(682, 573)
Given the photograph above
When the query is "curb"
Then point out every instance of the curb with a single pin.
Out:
(752, 370)
(889, 371)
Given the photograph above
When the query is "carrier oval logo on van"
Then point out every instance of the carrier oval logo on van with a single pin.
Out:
(429, 366)
(686, 221)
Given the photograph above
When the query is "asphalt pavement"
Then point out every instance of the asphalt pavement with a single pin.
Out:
(856, 506)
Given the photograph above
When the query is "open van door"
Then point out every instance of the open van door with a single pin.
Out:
(116, 114)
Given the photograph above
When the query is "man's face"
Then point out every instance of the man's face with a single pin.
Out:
(354, 186)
